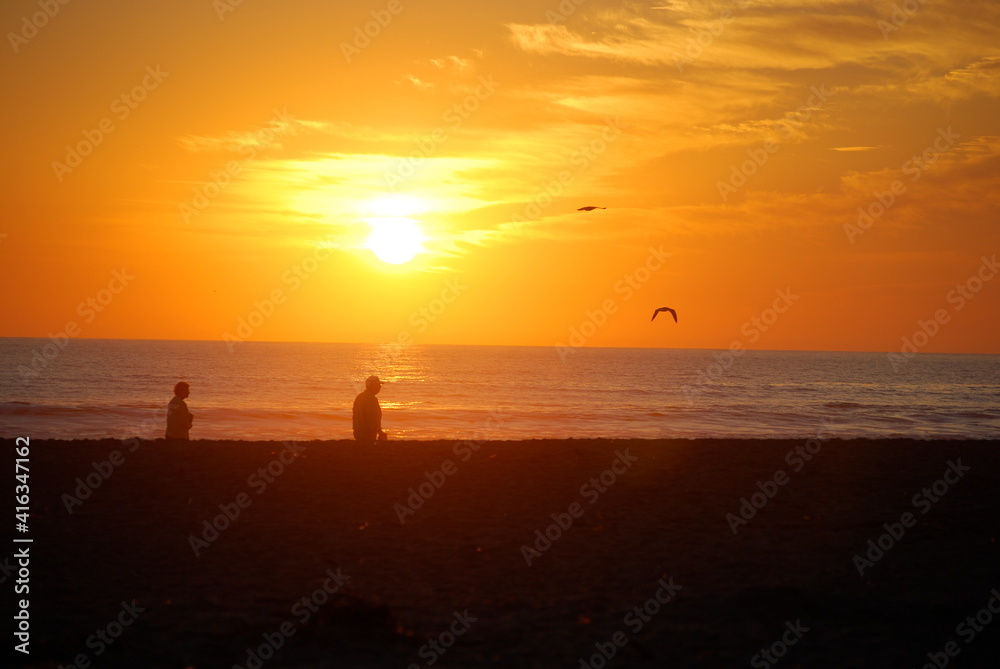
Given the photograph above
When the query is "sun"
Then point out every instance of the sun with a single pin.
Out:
(395, 240)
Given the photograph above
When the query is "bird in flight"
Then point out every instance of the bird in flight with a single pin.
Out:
(590, 208)
(672, 313)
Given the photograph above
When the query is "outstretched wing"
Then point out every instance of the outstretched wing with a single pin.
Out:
(672, 313)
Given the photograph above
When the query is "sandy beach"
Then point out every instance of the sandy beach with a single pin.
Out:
(574, 553)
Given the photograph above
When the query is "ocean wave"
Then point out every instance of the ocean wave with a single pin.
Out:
(617, 393)
(28, 409)
(893, 419)
(976, 414)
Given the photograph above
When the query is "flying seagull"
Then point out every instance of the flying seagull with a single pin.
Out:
(672, 313)
(590, 208)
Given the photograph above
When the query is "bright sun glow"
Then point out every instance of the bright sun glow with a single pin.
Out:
(395, 240)
(396, 205)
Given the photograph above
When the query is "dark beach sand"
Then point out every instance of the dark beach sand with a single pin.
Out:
(664, 517)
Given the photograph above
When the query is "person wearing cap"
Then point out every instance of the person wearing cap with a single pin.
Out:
(368, 413)
(179, 419)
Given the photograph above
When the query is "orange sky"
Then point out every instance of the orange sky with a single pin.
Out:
(732, 143)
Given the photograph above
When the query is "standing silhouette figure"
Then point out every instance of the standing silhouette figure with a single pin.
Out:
(368, 414)
(179, 419)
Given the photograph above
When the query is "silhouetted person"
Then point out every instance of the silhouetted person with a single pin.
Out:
(368, 413)
(179, 419)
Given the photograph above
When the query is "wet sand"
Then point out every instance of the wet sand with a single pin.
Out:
(312, 566)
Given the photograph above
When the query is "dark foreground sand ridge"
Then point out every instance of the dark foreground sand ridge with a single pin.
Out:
(322, 554)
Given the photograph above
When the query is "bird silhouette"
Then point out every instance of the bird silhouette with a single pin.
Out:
(590, 208)
(672, 313)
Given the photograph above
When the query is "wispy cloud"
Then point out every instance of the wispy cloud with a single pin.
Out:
(455, 64)
(417, 82)
(282, 124)
(849, 149)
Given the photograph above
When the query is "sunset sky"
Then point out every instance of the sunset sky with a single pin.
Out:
(240, 158)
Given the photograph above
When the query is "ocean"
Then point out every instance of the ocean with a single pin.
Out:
(95, 388)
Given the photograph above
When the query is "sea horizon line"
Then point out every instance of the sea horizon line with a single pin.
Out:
(540, 346)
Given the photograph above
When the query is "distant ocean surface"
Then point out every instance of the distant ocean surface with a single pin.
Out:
(119, 388)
